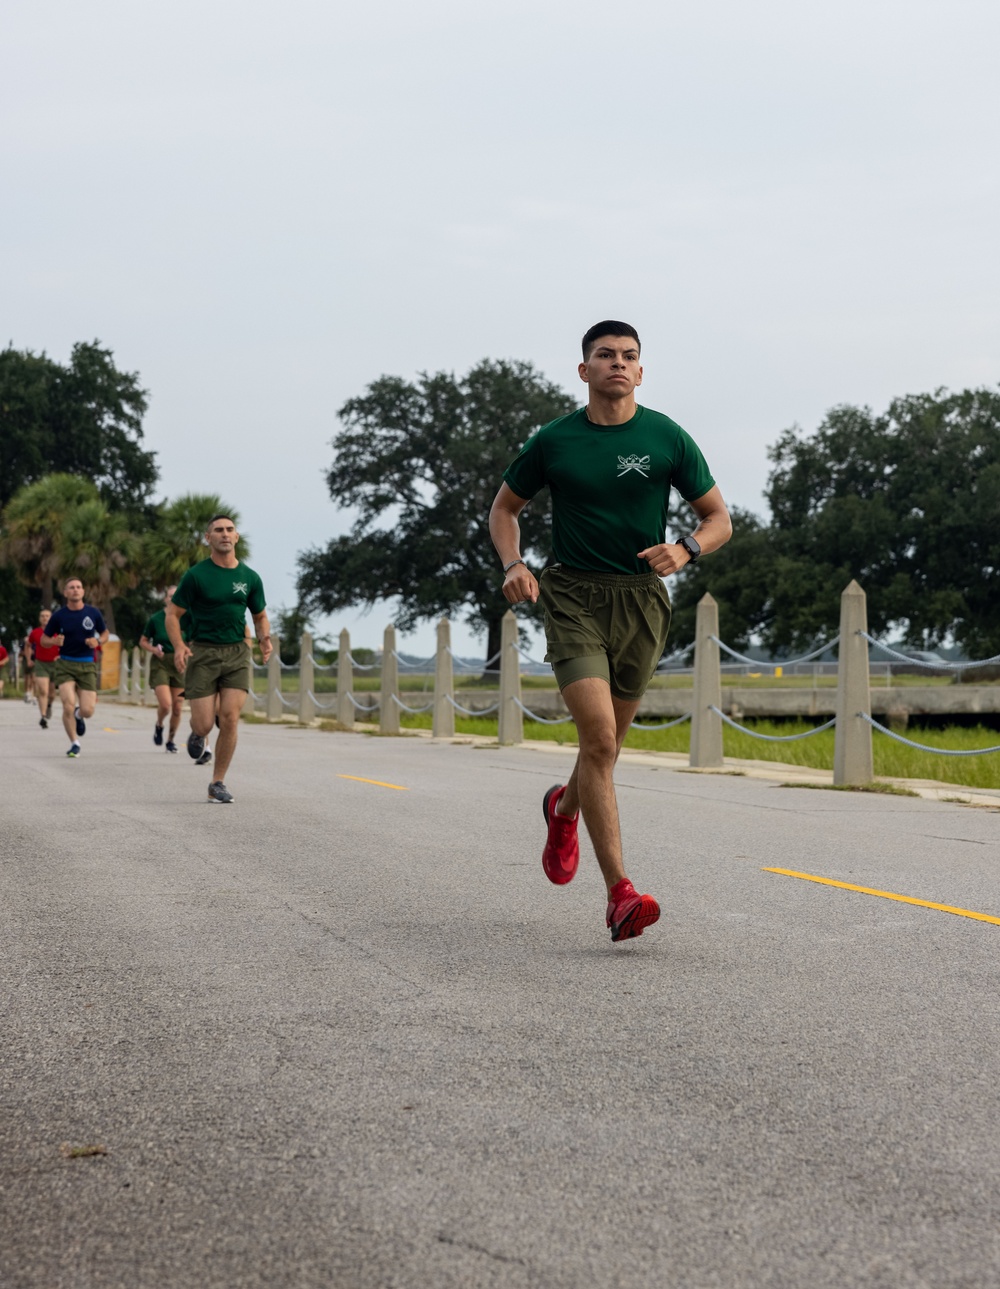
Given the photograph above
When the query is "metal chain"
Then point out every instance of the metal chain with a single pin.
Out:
(470, 667)
(322, 707)
(413, 666)
(772, 738)
(363, 666)
(322, 666)
(468, 711)
(922, 747)
(669, 725)
(414, 711)
(932, 666)
(542, 720)
(789, 662)
(362, 707)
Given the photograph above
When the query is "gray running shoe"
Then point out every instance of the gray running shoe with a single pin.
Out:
(219, 792)
(195, 745)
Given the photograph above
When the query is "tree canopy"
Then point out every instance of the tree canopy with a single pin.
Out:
(84, 418)
(420, 463)
(907, 502)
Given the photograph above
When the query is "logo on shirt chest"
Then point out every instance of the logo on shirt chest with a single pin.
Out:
(633, 462)
(87, 623)
(240, 588)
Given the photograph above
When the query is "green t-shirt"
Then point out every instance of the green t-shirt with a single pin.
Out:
(610, 485)
(218, 598)
(155, 630)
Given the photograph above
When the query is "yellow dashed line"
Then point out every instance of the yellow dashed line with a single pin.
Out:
(886, 895)
(377, 782)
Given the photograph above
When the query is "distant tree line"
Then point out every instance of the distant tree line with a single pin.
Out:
(906, 501)
(76, 486)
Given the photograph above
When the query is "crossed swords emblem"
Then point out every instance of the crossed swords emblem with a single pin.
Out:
(633, 462)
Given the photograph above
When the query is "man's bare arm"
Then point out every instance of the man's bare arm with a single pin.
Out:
(173, 624)
(714, 529)
(263, 630)
(519, 582)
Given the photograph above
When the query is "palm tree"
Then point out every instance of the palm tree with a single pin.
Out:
(31, 535)
(100, 548)
(177, 540)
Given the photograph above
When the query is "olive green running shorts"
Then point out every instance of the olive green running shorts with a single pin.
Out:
(45, 669)
(163, 672)
(84, 674)
(610, 626)
(212, 667)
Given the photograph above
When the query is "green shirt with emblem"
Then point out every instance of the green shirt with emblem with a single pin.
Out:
(218, 599)
(610, 485)
(155, 630)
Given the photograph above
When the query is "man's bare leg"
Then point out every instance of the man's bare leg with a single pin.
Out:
(176, 709)
(67, 693)
(602, 721)
(230, 705)
(162, 693)
(42, 694)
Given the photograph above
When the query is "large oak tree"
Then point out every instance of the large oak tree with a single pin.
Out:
(420, 463)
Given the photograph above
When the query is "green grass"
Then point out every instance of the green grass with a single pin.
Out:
(892, 760)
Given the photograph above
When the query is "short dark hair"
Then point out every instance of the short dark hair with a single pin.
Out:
(608, 328)
(223, 515)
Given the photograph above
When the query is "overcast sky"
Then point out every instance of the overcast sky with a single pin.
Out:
(263, 208)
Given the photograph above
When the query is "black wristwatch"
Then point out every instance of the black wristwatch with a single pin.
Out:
(692, 548)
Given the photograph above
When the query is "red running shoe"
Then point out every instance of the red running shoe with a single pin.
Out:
(561, 855)
(628, 913)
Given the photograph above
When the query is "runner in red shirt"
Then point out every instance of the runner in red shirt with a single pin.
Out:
(44, 660)
(3, 663)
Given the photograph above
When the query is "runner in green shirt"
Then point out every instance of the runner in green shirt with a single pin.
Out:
(609, 467)
(166, 683)
(218, 662)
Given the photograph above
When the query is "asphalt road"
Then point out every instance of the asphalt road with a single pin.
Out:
(339, 1034)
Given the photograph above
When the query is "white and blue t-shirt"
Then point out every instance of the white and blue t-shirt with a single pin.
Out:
(77, 626)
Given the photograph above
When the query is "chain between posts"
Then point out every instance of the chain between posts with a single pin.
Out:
(637, 725)
(414, 711)
(784, 662)
(542, 720)
(923, 747)
(467, 711)
(930, 666)
(773, 738)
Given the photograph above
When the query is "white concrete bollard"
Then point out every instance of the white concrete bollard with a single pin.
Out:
(706, 725)
(388, 716)
(345, 682)
(852, 749)
(443, 725)
(511, 718)
(307, 680)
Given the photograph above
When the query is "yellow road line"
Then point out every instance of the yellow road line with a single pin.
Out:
(378, 783)
(886, 895)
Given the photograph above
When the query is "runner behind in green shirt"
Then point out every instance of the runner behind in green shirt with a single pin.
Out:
(166, 683)
(217, 593)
